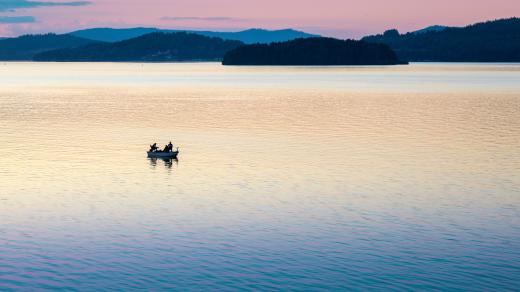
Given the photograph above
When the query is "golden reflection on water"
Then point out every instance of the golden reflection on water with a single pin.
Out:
(94, 118)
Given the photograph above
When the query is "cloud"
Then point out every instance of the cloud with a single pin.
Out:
(10, 5)
(196, 18)
(17, 19)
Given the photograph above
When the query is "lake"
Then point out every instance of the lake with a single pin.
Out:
(289, 178)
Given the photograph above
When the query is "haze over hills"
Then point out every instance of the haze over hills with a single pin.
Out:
(247, 36)
(314, 52)
(492, 41)
(25, 47)
(153, 47)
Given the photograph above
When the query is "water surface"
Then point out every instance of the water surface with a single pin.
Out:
(289, 178)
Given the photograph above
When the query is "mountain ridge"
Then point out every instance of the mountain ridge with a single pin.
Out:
(248, 36)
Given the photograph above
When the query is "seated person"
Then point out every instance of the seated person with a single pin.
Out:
(166, 148)
(153, 147)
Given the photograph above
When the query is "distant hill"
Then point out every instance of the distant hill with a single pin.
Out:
(113, 34)
(153, 47)
(247, 36)
(430, 28)
(312, 51)
(253, 36)
(24, 48)
(492, 41)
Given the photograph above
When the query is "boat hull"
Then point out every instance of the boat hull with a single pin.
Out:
(168, 155)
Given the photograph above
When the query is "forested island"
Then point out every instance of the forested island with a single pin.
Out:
(492, 41)
(313, 52)
(153, 47)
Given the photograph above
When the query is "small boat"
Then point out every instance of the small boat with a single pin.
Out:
(162, 154)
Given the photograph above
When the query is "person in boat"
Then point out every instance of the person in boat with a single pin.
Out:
(170, 146)
(153, 148)
(166, 148)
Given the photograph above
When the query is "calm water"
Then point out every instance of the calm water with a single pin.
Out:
(288, 178)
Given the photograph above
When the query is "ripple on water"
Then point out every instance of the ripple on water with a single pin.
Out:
(288, 178)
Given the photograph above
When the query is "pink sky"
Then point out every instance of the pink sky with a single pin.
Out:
(339, 18)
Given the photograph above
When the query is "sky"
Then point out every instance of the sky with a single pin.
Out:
(336, 18)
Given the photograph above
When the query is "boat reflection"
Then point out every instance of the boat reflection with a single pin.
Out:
(168, 162)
